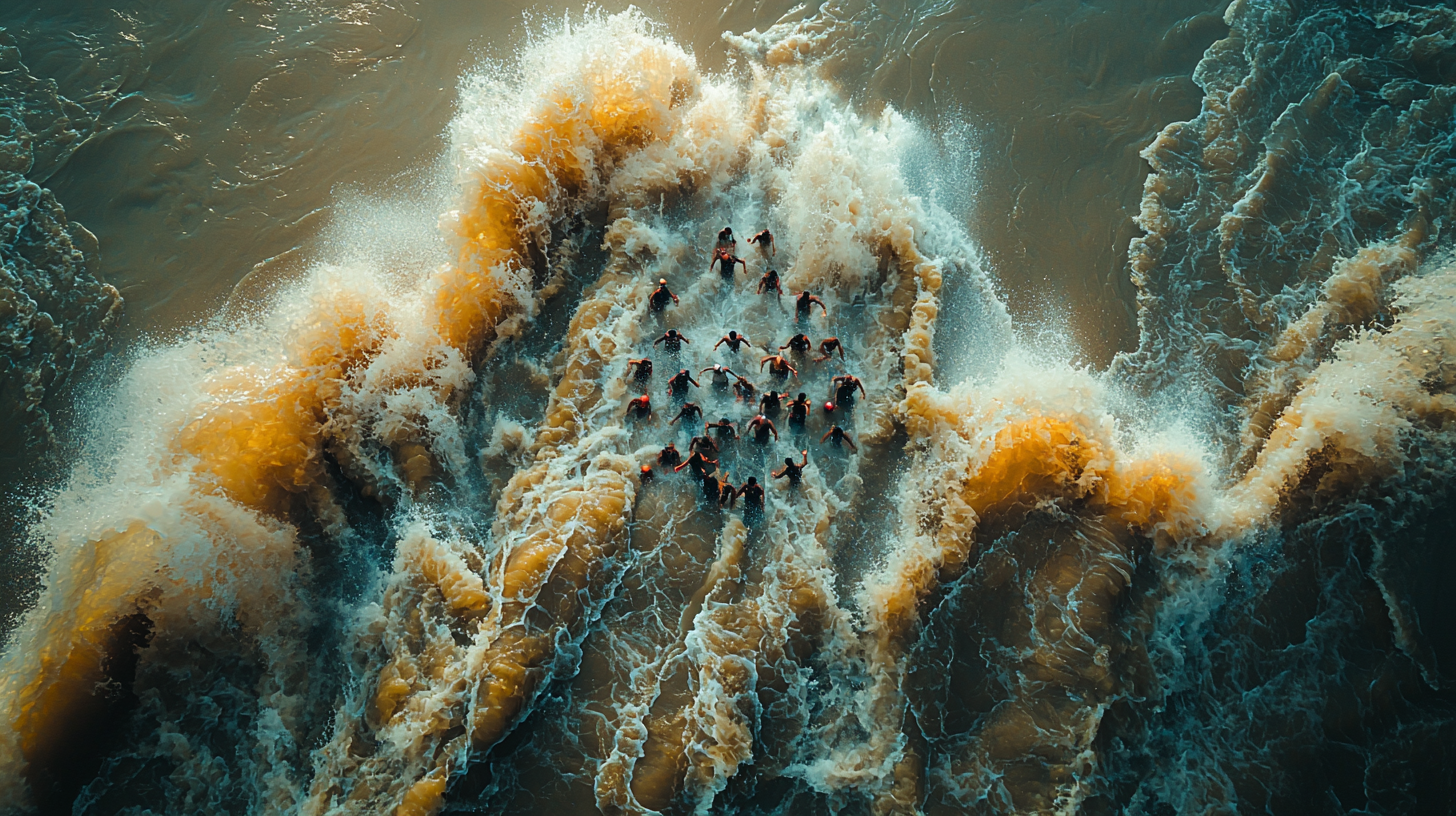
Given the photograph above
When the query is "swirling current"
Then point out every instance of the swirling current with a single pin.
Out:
(1143, 506)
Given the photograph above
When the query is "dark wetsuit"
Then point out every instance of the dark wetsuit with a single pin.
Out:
(770, 404)
(727, 263)
(669, 457)
(703, 444)
(752, 495)
(678, 385)
(701, 465)
(845, 391)
(770, 282)
(711, 488)
(803, 305)
(722, 430)
(671, 343)
(798, 411)
(660, 298)
(800, 343)
(762, 431)
(638, 409)
(691, 412)
(793, 471)
(642, 371)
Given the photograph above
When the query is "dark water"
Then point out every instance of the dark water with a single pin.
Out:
(322, 498)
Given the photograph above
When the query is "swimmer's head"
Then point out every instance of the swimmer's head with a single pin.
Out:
(752, 480)
(788, 460)
(803, 396)
(662, 281)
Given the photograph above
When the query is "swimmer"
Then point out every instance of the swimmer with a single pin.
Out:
(712, 488)
(744, 389)
(770, 281)
(765, 242)
(752, 494)
(726, 493)
(771, 403)
(700, 465)
(677, 386)
(646, 474)
(799, 409)
(844, 387)
(839, 436)
(640, 407)
(720, 375)
(689, 410)
(643, 372)
(661, 295)
(793, 470)
(669, 456)
(804, 305)
(798, 344)
(721, 428)
(703, 444)
(761, 426)
(827, 347)
(673, 340)
(734, 340)
(777, 366)
(726, 239)
(726, 261)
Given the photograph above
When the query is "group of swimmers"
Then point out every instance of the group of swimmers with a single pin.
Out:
(703, 450)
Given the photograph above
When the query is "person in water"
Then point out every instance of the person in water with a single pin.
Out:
(712, 488)
(799, 409)
(771, 403)
(700, 465)
(744, 389)
(778, 366)
(669, 456)
(734, 340)
(721, 373)
(793, 470)
(726, 493)
(764, 240)
(752, 494)
(677, 385)
(838, 435)
(844, 388)
(673, 340)
(643, 372)
(689, 410)
(726, 239)
(798, 344)
(804, 305)
(770, 282)
(703, 444)
(661, 295)
(761, 426)
(726, 261)
(646, 474)
(722, 428)
(640, 407)
(827, 347)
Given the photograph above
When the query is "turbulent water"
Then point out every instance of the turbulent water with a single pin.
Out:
(1165, 534)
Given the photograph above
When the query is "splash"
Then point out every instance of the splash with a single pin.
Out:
(388, 546)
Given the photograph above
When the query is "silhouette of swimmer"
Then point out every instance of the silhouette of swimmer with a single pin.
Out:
(827, 347)
(799, 409)
(793, 470)
(798, 344)
(765, 241)
(838, 436)
(643, 371)
(726, 261)
(689, 410)
(640, 407)
(769, 281)
(761, 426)
(778, 366)
(669, 456)
(804, 305)
(844, 388)
(734, 340)
(673, 341)
(677, 386)
(661, 295)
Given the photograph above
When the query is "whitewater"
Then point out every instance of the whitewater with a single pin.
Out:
(380, 542)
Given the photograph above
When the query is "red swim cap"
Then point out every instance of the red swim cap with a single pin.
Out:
(828, 407)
